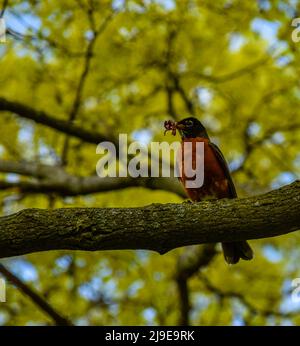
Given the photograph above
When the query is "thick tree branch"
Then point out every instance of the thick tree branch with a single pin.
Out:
(156, 227)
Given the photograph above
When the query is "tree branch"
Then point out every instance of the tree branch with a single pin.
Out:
(156, 227)
(189, 263)
(4, 6)
(234, 74)
(54, 179)
(41, 117)
(35, 297)
(265, 312)
(84, 75)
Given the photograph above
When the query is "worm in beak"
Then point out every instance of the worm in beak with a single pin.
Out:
(171, 125)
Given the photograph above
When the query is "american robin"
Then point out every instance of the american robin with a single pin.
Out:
(217, 180)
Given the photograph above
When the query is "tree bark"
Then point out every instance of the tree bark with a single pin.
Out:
(158, 227)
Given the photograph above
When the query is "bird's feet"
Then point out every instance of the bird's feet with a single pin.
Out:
(188, 201)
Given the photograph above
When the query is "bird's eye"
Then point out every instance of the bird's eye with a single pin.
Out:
(189, 123)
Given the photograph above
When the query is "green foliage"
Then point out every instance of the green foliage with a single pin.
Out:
(242, 84)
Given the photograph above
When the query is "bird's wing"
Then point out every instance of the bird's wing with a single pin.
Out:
(222, 161)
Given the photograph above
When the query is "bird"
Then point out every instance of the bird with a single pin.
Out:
(217, 182)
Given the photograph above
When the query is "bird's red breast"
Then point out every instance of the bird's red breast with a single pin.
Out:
(216, 176)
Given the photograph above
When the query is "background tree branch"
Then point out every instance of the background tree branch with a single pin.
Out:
(4, 5)
(54, 179)
(190, 263)
(36, 298)
(41, 117)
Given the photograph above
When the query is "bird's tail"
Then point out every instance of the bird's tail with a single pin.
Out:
(234, 251)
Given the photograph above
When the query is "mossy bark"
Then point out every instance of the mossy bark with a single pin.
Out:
(158, 227)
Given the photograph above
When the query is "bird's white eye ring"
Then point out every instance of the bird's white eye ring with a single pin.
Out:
(189, 123)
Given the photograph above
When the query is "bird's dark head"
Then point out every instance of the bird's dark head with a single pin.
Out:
(191, 128)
